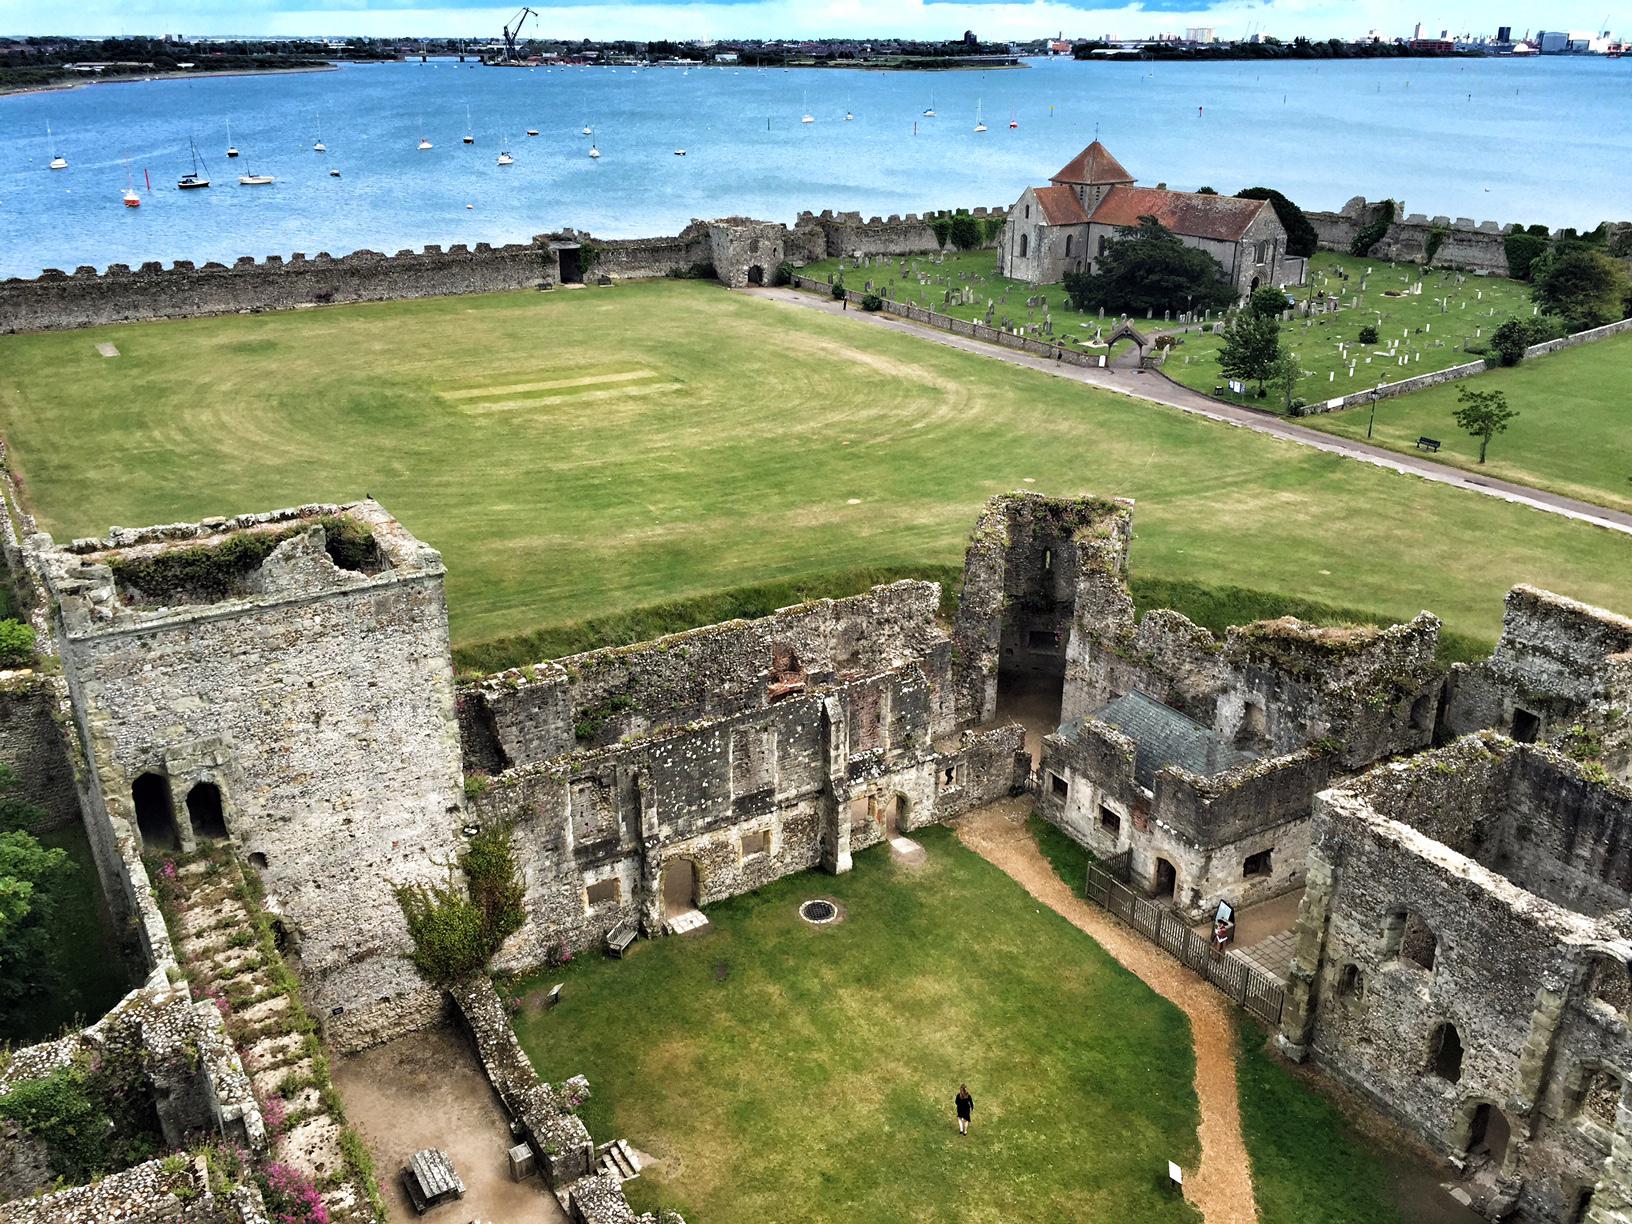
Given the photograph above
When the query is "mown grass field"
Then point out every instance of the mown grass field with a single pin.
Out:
(591, 453)
(784, 1071)
(1573, 434)
(1427, 328)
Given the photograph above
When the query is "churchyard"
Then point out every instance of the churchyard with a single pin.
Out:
(1571, 436)
(1425, 321)
(579, 455)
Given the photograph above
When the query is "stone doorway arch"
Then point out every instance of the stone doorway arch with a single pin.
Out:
(897, 818)
(155, 812)
(679, 887)
(1164, 879)
(206, 813)
(756, 275)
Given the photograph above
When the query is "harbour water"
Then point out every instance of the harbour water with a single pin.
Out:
(1504, 140)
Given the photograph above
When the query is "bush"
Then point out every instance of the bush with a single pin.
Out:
(1267, 301)
(16, 644)
(209, 573)
(1368, 334)
(454, 935)
(1508, 342)
(941, 227)
(966, 232)
(1523, 249)
(838, 290)
(872, 302)
(783, 274)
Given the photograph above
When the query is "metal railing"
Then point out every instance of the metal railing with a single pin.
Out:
(1257, 992)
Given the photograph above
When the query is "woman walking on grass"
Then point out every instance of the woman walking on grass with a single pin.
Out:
(965, 1106)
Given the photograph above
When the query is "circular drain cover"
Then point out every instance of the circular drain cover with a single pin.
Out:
(818, 911)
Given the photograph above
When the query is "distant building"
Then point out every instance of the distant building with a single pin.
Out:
(1504, 34)
(1065, 226)
(1199, 34)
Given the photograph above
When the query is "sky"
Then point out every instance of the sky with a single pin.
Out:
(694, 19)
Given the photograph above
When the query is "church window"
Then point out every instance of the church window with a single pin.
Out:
(1103, 243)
(1068, 244)
(1028, 212)
(1023, 245)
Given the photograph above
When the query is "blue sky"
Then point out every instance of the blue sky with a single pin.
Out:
(807, 18)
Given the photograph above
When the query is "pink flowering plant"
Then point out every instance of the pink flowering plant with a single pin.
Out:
(291, 1197)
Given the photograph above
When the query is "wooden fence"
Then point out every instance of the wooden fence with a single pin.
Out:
(1259, 993)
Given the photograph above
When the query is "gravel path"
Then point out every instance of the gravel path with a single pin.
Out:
(1158, 388)
(1221, 1185)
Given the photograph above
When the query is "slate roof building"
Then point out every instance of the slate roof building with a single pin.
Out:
(1065, 226)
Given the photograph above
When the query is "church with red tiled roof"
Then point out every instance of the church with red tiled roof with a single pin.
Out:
(1063, 227)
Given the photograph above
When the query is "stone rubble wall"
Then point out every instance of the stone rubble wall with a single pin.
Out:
(1469, 246)
(35, 741)
(984, 766)
(143, 1194)
(846, 233)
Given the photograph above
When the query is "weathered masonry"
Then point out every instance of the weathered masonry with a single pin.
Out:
(1462, 959)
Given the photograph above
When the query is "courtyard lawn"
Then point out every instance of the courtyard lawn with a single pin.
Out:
(783, 1071)
(594, 452)
(1573, 434)
(1428, 329)
(976, 270)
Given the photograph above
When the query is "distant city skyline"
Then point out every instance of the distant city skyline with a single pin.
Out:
(724, 19)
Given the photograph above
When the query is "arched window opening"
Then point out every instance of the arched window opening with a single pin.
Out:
(1609, 982)
(1254, 728)
(1068, 244)
(1408, 937)
(1488, 1133)
(205, 812)
(1446, 1053)
(155, 818)
(1601, 1097)
(1024, 243)
(1583, 1204)
(1351, 983)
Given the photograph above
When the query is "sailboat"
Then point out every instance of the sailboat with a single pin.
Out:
(424, 144)
(807, 117)
(320, 147)
(132, 200)
(470, 135)
(593, 151)
(58, 161)
(849, 116)
(254, 180)
(1014, 118)
(232, 149)
(588, 131)
(504, 153)
(930, 113)
(195, 180)
(980, 124)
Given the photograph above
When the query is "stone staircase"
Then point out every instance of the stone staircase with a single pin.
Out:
(220, 944)
(617, 1159)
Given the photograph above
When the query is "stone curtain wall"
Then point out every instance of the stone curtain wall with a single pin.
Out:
(86, 297)
(34, 742)
(322, 707)
(121, 294)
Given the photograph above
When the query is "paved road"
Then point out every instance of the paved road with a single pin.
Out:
(1148, 385)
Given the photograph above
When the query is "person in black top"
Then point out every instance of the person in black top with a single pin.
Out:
(965, 1106)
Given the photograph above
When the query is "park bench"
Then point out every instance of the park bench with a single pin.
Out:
(619, 938)
(1428, 444)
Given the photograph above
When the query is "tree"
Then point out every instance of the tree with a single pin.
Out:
(1284, 373)
(1523, 248)
(1252, 343)
(1301, 238)
(1146, 270)
(1267, 301)
(1484, 414)
(1508, 342)
(1581, 283)
(30, 876)
(966, 232)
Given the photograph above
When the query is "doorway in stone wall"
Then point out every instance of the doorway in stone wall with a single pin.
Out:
(572, 264)
(205, 812)
(679, 887)
(155, 816)
(1488, 1133)
(756, 275)
(897, 818)
(1165, 879)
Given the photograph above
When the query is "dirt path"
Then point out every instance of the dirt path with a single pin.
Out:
(1158, 388)
(1221, 1185)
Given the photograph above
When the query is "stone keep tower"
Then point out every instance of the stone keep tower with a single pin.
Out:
(284, 681)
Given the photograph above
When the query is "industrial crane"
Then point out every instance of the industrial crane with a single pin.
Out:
(510, 35)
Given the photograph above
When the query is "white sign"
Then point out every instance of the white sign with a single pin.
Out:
(1175, 1174)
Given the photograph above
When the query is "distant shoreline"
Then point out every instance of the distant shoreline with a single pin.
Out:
(180, 74)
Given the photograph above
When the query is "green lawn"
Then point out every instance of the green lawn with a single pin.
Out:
(921, 284)
(1573, 434)
(731, 441)
(783, 1071)
(1428, 328)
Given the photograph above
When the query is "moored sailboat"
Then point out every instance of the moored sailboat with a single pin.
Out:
(196, 179)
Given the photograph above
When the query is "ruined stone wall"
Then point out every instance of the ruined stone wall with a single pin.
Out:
(817, 776)
(321, 706)
(983, 767)
(846, 233)
(121, 294)
(35, 742)
(1468, 245)
(602, 697)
